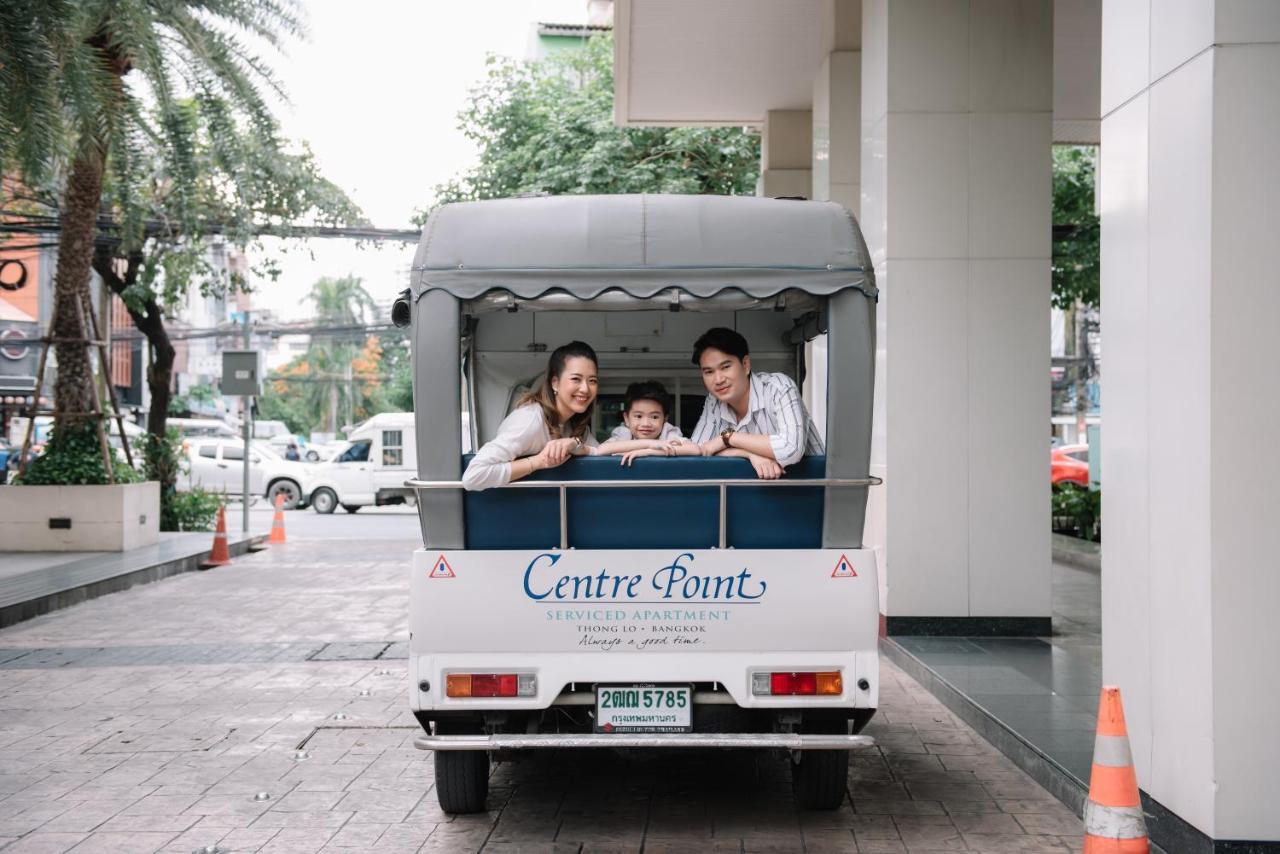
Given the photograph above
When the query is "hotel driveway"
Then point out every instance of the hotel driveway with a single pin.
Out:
(148, 720)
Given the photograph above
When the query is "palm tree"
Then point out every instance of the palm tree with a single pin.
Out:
(339, 302)
(73, 108)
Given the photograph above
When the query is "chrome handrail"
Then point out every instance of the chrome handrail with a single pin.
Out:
(565, 485)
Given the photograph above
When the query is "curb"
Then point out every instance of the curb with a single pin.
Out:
(20, 611)
(1076, 552)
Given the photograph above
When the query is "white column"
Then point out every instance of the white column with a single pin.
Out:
(785, 144)
(956, 203)
(1190, 591)
(837, 149)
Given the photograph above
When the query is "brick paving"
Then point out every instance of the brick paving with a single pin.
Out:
(148, 720)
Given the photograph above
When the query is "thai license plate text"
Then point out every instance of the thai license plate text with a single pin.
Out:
(644, 708)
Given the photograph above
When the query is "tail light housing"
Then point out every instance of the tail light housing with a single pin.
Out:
(784, 683)
(460, 685)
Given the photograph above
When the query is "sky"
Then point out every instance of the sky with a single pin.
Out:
(375, 91)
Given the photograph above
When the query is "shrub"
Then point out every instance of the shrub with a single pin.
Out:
(72, 457)
(179, 511)
(1077, 511)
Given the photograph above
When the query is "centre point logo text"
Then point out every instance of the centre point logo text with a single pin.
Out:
(673, 581)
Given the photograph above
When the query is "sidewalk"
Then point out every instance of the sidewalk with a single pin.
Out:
(151, 720)
(35, 583)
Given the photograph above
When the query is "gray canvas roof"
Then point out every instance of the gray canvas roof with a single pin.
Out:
(641, 244)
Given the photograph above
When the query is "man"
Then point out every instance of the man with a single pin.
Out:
(759, 416)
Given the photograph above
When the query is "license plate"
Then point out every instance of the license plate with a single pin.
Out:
(644, 708)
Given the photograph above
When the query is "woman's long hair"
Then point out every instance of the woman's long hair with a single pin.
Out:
(543, 395)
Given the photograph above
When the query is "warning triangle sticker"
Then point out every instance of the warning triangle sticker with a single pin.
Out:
(844, 569)
(441, 569)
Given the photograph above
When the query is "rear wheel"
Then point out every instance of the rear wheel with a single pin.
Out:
(462, 780)
(351, 508)
(819, 779)
(324, 500)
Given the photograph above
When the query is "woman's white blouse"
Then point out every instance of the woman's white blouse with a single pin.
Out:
(523, 433)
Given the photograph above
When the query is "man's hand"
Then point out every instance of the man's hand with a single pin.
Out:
(766, 469)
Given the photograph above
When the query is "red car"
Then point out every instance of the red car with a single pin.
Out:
(1069, 464)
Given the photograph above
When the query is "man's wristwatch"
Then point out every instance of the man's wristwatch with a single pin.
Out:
(725, 434)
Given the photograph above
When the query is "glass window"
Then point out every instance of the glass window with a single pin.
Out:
(357, 453)
(392, 447)
(1082, 456)
(208, 451)
(233, 452)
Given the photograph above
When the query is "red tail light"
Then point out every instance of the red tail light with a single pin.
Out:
(491, 685)
(827, 683)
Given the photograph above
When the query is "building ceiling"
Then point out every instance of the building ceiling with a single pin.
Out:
(729, 62)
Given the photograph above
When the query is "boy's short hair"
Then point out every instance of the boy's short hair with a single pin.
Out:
(647, 390)
(723, 339)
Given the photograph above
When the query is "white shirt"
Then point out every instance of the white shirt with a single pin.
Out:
(523, 433)
(622, 433)
(774, 409)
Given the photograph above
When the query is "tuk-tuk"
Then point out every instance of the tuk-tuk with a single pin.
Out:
(676, 603)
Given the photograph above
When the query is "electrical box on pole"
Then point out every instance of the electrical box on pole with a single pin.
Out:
(241, 372)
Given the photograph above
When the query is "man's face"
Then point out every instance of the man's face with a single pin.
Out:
(645, 419)
(727, 377)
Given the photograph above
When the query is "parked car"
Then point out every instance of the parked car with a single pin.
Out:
(217, 464)
(378, 457)
(1069, 464)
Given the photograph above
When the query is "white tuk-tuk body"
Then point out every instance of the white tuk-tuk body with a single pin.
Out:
(679, 602)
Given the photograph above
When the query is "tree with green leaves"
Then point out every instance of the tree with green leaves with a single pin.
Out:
(1076, 227)
(547, 127)
(133, 101)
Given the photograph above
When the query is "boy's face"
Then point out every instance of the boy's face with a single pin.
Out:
(725, 376)
(645, 419)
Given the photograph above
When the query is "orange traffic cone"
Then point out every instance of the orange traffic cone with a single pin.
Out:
(221, 555)
(1113, 820)
(277, 523)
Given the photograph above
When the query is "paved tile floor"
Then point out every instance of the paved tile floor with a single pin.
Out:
(159, 740)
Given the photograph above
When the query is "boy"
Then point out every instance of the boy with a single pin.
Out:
(645, 430)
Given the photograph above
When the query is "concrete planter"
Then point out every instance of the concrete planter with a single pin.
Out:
(79, 518)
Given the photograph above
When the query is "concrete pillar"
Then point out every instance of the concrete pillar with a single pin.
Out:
(785, 154)
(1190, 592)
(956, 204)
(837, 148)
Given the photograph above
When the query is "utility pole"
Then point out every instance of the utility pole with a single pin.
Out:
(247, 426)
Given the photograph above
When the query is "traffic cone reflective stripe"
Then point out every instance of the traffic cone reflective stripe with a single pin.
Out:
(277, 522)
(1113, 819)
(220, 555)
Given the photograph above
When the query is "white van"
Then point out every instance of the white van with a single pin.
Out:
(371, 470)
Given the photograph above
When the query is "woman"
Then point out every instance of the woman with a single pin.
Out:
(550, 423)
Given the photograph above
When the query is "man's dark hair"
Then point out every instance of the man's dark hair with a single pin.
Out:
(647, 390)
(723, 339)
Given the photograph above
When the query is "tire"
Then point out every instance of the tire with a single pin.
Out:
(324, 500)
(351, 508)
(462, 780)
(289, 489)
(313, 456)
(820, 778)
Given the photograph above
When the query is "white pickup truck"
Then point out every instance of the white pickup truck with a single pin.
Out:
(371, 470)
(678, 603)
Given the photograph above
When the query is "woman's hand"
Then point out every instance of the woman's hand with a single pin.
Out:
(554, 453)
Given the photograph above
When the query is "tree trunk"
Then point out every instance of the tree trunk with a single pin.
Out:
(73, 391)
(150, 322)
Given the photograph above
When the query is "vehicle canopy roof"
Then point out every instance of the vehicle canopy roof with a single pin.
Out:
(642, 245)
(642, 253)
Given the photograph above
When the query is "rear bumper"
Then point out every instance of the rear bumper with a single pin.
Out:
(511, 741)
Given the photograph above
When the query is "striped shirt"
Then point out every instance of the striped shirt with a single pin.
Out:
(775, 410)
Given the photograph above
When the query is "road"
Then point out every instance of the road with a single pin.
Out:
(148, 720)
(375, 523)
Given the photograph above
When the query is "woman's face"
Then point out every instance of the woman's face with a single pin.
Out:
(576, 386)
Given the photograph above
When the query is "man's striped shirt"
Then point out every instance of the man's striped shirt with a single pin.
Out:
(775, 409)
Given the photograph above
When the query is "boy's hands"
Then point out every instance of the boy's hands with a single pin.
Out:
(630, 456)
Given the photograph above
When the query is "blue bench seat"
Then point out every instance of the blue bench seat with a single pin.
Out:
(650, 518)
